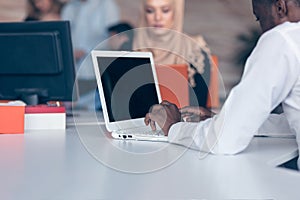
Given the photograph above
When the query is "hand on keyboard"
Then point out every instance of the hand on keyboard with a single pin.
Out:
(165, 115)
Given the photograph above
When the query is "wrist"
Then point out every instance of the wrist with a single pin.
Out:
(166, 130)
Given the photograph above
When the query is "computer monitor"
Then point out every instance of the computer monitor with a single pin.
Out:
(36, 62)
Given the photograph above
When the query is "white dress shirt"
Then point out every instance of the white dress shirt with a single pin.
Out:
(271, 77)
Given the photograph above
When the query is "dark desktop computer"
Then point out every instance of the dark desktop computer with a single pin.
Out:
(36, 62)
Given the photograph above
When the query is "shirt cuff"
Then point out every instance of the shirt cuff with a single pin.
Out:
(185, 134)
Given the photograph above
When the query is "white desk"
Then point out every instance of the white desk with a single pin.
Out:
(67, 165)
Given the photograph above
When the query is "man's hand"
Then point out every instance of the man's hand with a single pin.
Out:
(165, 115)
(195, 114)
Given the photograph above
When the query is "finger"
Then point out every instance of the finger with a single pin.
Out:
(152, 124)
(188, 119)
(194, 118)
(147, 119)
(186, 114)
(186, 109)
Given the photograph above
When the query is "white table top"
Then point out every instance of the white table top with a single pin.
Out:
(82, 162)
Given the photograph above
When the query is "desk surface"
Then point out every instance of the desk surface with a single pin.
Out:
(82, 162)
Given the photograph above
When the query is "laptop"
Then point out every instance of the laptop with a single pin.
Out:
(128, 87)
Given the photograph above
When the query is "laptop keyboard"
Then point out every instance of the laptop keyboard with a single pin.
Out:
(141, 131)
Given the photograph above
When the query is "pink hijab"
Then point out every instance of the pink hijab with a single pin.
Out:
(174, 47)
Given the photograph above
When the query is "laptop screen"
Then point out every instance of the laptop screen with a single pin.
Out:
(128, 86)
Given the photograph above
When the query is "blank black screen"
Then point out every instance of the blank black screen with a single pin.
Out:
(128, 86)
(30, 53)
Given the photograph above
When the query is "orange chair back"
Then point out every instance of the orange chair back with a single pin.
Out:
(213, 100)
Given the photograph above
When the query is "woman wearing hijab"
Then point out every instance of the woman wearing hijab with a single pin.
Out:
(160, 32)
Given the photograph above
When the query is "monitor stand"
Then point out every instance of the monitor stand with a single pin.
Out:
(30, 99)
(32, 96)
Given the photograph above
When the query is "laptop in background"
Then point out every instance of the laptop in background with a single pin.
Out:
(128, 87)
(173, 83)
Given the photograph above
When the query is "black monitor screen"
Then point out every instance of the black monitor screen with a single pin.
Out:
(128, 86)
(36, 61)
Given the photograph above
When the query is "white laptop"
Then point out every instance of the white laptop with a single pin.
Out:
(128, 87)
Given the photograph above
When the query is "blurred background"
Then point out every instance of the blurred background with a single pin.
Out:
(228, 26)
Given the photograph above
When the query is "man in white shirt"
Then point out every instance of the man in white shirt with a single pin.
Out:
(271, 77)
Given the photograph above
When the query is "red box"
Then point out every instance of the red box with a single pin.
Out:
(12, 119)
(44, 117)
(44, 109)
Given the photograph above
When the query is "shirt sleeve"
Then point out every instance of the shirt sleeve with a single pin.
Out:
(275, 124)
(267, 80)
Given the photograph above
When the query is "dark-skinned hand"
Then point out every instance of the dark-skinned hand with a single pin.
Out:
(195, 114)
(164, 115)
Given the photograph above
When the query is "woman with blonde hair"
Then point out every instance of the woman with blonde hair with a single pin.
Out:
(160, 32)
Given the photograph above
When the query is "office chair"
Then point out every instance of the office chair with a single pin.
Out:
(213, 100)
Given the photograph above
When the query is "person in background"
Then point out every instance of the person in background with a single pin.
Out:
(271, 77)
(44, 10)
(121, 36)
(161, 23)
(89, 22)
